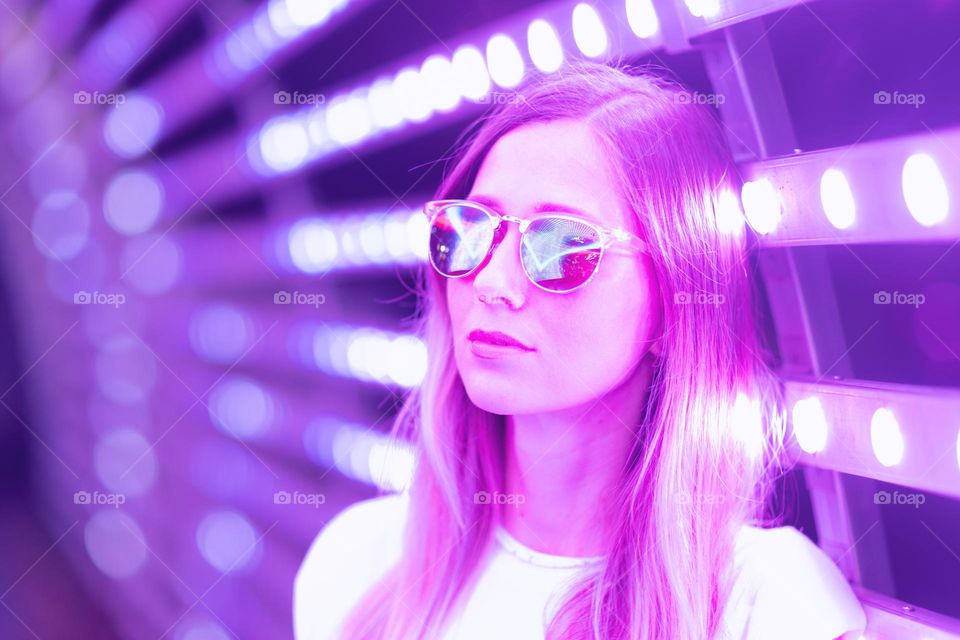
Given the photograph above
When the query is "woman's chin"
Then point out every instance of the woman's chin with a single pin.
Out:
(499, 396)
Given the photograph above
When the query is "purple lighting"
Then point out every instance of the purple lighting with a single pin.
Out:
(242, 408)
(221, 333)
(125, 370)
(886, 437)
(132, 126)
(283, 144)
(810, 425)
(223, 326)
(642, 18)
(125, 462)
(411, 91)
(504, 61)
(588, 31)
(470, 72)
(761, 205)
(437, 74)
(151, 263)
(837, 199)
(133, 202)
(924, 190)
(115, 543)
(61, 225)
(544, 45)
(228, 541)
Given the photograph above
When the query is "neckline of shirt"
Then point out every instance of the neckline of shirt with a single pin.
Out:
(538, 558)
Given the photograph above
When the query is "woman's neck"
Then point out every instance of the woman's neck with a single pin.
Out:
(563, 469)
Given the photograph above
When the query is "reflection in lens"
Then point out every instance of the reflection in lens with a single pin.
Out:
(560, 254)
(459, 239)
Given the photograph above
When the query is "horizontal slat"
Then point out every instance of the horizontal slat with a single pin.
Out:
(714, 14)
(889, 619)
(623, 43)
(928, 420)
(874, 173)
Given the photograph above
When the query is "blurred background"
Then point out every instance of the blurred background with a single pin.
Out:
(209, 236)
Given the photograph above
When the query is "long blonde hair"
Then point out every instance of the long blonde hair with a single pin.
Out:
(710, 439)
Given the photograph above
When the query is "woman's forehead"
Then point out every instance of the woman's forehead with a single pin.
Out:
(559, 162)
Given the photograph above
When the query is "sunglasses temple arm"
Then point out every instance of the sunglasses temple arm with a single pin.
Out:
(631, 241)
(639, 245)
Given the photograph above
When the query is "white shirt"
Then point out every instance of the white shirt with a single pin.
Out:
(786, 587)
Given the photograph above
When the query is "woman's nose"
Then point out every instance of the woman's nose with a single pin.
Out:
(502, 277)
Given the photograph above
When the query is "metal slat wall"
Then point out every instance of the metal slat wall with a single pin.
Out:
(894, 433)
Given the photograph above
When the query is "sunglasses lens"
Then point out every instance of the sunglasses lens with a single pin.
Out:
(560, 254)
(460, 237)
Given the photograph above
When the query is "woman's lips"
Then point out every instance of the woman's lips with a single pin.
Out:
(494, 344)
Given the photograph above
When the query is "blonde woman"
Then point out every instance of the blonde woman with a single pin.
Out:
(597, 430)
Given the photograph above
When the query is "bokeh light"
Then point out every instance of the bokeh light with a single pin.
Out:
(133, 202)
(924, 190)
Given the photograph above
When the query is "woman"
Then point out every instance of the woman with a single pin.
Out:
(597, 430)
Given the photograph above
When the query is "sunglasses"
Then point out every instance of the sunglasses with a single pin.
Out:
(559, 253)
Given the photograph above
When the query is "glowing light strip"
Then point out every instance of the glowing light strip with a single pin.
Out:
(144, 116)
(360, 453)
(274, 25)
(434, 84)
(362, 353)
(894, 433)
(897, 190)
(315, 245)
(221, 332)
(702, 16)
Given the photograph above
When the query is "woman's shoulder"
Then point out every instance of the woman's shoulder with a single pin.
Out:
(794, 589)
(361, 523)
(345, 559)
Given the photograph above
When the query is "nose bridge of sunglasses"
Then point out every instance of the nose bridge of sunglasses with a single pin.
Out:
(500, 234)
(496, 251)
(521, 223)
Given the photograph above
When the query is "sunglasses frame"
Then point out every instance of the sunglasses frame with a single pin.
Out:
(608, 236)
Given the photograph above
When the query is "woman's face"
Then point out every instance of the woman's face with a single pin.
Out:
(582, 344)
